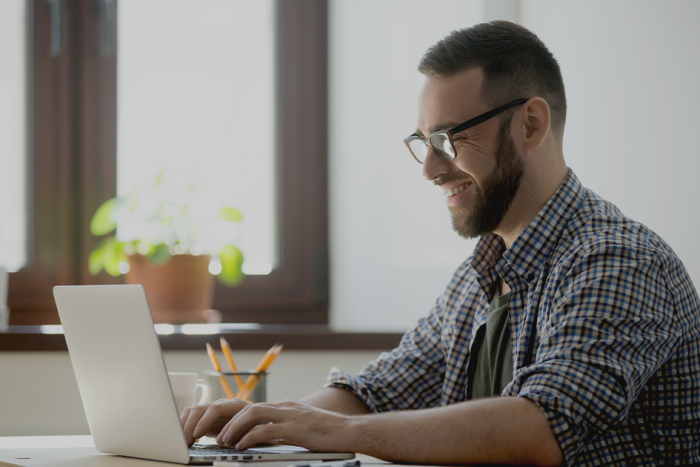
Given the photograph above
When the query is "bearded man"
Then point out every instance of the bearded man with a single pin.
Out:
(571, 333)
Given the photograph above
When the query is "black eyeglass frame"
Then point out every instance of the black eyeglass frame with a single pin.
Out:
(461, 127)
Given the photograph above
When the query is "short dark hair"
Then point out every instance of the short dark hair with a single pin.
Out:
(515, 63)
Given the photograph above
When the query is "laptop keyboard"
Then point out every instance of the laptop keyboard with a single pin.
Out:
(209, 451)
(201, 449)
(223, 453)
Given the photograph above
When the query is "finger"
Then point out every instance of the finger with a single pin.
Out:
(245, 420)
(230, 423)
(183, 416)
(262, 434)
(194, 414)
(223, 409)
(203, 417)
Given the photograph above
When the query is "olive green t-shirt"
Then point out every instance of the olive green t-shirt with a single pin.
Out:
(491, 364)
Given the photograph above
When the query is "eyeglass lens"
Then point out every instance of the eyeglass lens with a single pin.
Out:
(419, 149)
(440, 143)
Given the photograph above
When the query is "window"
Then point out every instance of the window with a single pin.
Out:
(72, 153)
(204, 110)
(12, 134)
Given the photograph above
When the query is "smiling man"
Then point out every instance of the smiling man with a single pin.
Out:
(570, 335)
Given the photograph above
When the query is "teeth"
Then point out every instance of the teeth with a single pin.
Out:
(455, 190)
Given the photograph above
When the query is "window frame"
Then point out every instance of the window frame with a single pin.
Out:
(72, 165)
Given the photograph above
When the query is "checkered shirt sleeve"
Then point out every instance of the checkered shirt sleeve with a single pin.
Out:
(611, 326)
(408, 377)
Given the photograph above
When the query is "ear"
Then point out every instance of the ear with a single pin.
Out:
(533, 122)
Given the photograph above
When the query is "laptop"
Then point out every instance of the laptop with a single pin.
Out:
(124, 384)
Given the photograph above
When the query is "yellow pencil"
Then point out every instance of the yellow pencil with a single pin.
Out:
(226, 349)
(217, 367)
(253, 380)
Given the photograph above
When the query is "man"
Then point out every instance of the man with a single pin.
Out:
(584, 322)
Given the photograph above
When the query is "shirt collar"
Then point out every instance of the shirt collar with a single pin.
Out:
(532, 247)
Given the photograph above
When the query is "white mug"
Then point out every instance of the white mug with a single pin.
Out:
(185, 389)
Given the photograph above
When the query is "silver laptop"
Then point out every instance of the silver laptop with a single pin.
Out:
(124, 384)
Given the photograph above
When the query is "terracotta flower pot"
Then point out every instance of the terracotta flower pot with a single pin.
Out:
(179, 291)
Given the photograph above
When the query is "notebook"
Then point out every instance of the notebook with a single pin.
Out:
(124, 384)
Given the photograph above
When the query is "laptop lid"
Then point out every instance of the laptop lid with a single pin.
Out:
(120, 371)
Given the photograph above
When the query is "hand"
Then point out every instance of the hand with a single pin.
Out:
(301, 424)
(208, 419)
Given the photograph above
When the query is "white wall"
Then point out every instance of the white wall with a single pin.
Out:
(632, 75)
(391, 240)
(39, 394)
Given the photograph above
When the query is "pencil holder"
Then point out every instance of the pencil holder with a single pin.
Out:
(256, 380)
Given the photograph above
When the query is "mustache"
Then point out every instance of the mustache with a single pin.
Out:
(452, 177)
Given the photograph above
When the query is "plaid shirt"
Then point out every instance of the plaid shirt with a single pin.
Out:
(616, 358)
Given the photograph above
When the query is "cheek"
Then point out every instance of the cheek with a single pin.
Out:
(475, 160)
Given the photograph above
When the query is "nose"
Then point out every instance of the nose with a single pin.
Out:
(433, 166)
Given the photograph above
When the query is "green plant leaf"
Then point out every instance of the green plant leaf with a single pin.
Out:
(159, 179)
(231, 265)
(230, 214)
(103, 221)
(96, 257)
(133, 200)
(159, 254)
(113, 255)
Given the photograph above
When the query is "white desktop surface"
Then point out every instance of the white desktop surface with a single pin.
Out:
(10, 442)
(34, 454)
(60, 451)
(74, 451)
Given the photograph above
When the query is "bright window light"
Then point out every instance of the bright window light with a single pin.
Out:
(13, 220)
(196, 97)
(200, 329)
(259, 268)
(164, 329)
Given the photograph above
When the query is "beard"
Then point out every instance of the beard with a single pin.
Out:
(496, 194)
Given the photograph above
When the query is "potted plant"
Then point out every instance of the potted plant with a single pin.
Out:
(171, 241)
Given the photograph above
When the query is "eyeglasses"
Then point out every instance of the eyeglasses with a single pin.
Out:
(441, 141)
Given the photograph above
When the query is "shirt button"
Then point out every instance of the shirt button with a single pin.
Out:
(529, 277)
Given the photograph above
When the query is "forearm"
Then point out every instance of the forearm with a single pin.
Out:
(504, 430)
(336, 400)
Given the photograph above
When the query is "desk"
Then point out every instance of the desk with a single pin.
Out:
(76, 451)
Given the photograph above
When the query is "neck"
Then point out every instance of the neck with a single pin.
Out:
(538, 185)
